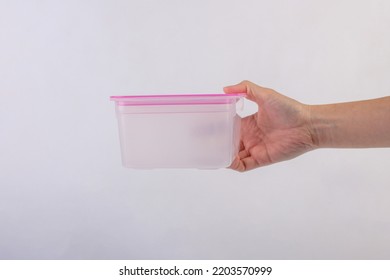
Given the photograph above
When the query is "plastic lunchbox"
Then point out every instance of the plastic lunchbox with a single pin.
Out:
(178, 131)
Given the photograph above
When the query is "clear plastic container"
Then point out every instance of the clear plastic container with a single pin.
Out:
(178, 131)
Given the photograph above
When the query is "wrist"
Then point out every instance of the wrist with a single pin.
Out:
(320, 125)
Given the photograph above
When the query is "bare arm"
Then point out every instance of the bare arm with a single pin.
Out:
(360, 124)
(284, 128)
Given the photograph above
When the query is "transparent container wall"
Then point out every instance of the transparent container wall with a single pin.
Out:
(204, 136)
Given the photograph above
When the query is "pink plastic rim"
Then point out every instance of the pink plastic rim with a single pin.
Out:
(178, 99)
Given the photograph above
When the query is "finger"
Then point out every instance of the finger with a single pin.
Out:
(238, 88)
(242, 165)
(253, 92)
(237, 165)
(243, 154)
(249, 163)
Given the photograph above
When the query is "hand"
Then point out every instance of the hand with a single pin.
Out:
(279, 131)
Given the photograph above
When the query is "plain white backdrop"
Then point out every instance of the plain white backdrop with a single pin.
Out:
(63, 192)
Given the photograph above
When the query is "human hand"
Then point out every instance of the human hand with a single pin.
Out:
(279, 131)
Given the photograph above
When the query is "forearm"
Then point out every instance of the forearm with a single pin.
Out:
(360, 124)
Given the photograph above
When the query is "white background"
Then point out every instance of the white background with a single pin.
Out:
(63, 192)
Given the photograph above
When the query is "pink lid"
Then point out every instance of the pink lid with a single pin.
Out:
(181, 99)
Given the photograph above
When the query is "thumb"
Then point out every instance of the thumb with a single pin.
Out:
(252, 91)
